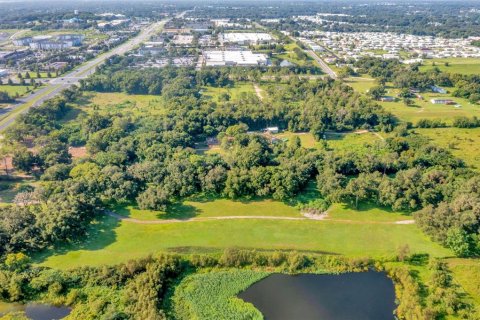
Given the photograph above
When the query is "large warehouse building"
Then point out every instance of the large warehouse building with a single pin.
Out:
(234, 58)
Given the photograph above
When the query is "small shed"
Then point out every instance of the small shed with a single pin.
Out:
(272, 130)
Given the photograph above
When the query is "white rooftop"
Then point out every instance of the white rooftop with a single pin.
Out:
(230, 58)
(246, 37)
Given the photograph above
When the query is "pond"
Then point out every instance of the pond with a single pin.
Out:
(360, 296)
(36, 311)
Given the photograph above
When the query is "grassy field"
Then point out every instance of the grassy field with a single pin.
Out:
(350, 141)
(234, 93)
(213, 296)
(33, 74)
(467, 274)
(456, 65)
(115, 102)
(199, 208)
(14, 89)
(361, 84)
(365, 213)
(463, 143)
(111, 241)
(306, 138)
(335, 141)
(425, 109)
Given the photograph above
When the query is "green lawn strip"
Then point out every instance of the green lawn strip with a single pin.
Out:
(12, 90)
(33, 75)
(27, 105)
(111, 241)
(366, 213)
(213, 295)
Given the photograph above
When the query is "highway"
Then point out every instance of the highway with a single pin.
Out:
(322, 64)
(57, 85)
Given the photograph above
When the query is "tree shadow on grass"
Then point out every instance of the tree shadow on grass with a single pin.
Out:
(179, 211)
(100, 234)
(85, 99)
(366, 206)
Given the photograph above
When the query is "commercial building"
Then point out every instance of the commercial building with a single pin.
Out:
(59, 42)
(12, 55)
(234, 58)
(245, 38)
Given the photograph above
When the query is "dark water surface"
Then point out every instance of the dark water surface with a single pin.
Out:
(350, 296)
(36, 311)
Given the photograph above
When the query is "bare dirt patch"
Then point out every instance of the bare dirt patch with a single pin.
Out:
(78, 152)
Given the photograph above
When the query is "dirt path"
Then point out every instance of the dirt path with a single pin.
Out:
(378, 135)
(258, 91)
(169, 221)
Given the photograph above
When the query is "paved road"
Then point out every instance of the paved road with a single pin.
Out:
(326, 69)
(322, 64)
(57, 85)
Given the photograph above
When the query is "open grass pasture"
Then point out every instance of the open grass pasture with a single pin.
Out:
(12, 90)
(306, 138)
(467, 273)
(351, 141)
(115, 102)
(463, 143)
(111, 241)
(342, 141)
(235, 92)
(455, 65)
(361, 84)
(425, 109)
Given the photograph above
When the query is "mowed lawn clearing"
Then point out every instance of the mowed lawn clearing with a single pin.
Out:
(425, 109)
(463, 143)
(351, 141)
(455, 65)
(365, 213)
(361, 84)
(111, 241)
(340, 141)
(307, 139)
(111, 102)
(234, 92)
(213, 208)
